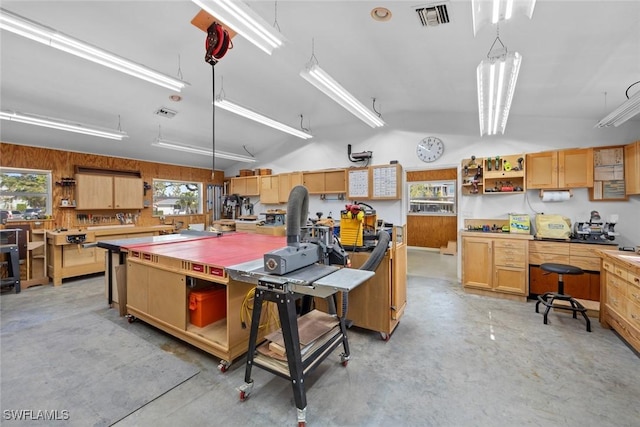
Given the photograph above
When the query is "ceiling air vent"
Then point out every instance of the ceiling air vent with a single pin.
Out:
(166, 112)
(431, 16)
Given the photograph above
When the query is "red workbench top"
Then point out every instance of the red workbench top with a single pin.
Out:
(224, 251)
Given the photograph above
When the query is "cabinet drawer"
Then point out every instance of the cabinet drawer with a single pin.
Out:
(617, 301)
(614, 281)
(580, 249)
(510, 244)
(607, 265)
(633, 314)
(621, 272)
(634, 279)
(549, 247)
(509, 257)
(585, 263)
(540, 258)
(633, 293)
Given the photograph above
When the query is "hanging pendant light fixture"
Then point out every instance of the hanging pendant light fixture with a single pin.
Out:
(497, 76)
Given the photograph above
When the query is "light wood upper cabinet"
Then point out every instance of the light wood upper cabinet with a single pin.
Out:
(560, 169)
(269, 189)
(542, 170)
(326, 181)
(287, 181)
(94, 191)
(632, 168)
(246, 185)
(108, 192)
(128, 193)
(575, 168)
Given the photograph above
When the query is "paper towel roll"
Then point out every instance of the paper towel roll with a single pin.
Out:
(556, 196)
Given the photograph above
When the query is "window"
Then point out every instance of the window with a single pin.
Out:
(176, 197)
(432, 198)
(25, 193)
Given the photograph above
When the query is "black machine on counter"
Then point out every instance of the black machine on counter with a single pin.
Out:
(595, 230)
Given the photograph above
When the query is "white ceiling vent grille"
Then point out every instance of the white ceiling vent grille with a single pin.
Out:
(431, 16)
(166, 112)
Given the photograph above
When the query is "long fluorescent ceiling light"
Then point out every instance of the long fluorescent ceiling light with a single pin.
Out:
(52, 123)
(244, 21)
(250, 114)
(171, 145)
(493, 11)
(50, 37)
(323, 81)
(624, 112)
(497, 79)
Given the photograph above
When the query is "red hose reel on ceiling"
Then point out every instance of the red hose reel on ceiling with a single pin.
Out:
(217, 43)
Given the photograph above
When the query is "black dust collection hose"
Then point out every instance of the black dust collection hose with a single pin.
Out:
(297, 209)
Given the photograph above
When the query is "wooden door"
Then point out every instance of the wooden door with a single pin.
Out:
(510, 279)
(128, 193)
(431, 231)
(542, 170)
(399, 281)
(575, 168)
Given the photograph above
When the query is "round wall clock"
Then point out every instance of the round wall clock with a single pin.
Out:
(430, 149)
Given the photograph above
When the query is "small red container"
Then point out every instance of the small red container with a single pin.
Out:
(207, 306)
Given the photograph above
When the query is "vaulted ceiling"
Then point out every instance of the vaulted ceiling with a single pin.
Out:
(579, 57)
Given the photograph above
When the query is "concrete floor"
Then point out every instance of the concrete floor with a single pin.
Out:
(454, 360)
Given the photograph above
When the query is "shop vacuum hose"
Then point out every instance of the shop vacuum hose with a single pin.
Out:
(297, 208)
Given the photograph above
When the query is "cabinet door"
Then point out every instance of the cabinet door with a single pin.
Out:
(632, 168)
(138, 286)
(477, 262)
(168, 297)
(238, 186)
(286, 183)
(253, 186)
(127, 193)
(269, 189)
(575, 168)
(94, 191)
(510, 279)
(542, 170)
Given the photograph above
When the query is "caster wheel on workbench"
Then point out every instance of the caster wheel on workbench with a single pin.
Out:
(345, 363)
(131, 318)
(223, 366)
(243, 396)
(384, 337)
(302, 424)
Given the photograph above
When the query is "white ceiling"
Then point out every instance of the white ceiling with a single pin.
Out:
(573, 52)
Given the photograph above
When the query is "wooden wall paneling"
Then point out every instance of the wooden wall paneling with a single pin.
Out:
(62, 164)
(431, 231)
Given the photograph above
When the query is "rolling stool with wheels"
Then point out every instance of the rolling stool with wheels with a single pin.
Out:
(549, 297)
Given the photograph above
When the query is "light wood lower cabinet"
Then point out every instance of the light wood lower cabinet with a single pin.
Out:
(495, 266)
(620, 296)
(379, 303)
(160, 297)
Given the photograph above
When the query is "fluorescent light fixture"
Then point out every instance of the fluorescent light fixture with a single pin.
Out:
(171, 145)
(52, 123)
(323, 81)
(244, 21)
(225, 104)
(493, 11)
(50, 37)
(497, 78)
(624, 112)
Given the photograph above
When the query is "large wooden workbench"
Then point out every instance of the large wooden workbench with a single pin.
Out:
(68, 257)
(620, 294)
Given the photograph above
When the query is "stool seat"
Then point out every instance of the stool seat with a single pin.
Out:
(549, 297)
(561, 268)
